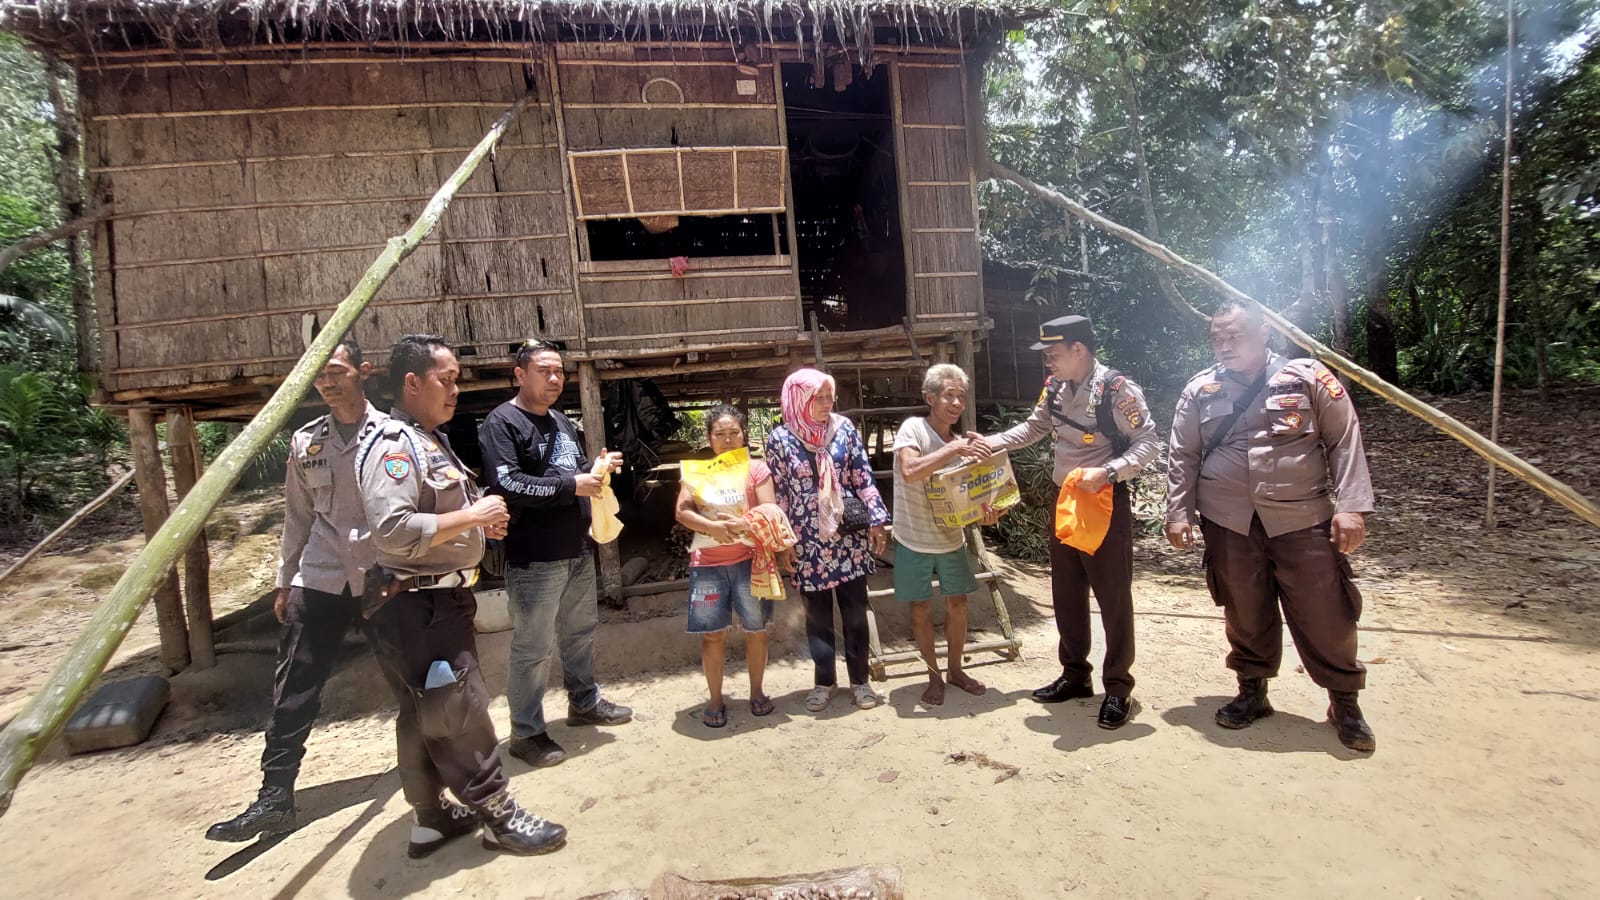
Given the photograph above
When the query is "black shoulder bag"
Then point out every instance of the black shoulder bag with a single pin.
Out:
(1239, 407)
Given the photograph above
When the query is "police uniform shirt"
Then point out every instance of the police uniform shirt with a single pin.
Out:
(326, 544)
(1078, 449)
(1294, 458)
(409, 478)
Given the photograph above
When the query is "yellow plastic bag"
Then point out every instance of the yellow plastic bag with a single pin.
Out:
(721, 484)
(604, 524)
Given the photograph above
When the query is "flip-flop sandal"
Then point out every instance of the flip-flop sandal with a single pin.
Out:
(714, 718)
(761, 706)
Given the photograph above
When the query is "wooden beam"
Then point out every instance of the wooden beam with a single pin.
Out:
(184, 447)
(967, 361)
(153, 509)
(594, 442)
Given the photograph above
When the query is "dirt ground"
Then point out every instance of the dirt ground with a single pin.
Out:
(1484, 692)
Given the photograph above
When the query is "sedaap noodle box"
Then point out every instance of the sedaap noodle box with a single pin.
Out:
(958, 495)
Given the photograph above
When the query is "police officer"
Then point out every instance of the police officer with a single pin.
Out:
(1101, 425)
(1267, 457)
(325, 554)
(428, 524)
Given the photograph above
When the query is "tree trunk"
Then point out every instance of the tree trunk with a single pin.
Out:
(1329, 260)
(1372, 181)
(69, 186)
(1152, 223)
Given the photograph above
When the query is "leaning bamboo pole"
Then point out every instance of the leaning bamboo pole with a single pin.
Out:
(1505, 261)
(1562, 493)
(33, 728)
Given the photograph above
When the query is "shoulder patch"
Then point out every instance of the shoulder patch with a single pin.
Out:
(397, 464)
(1117, 382)
(1330, 383)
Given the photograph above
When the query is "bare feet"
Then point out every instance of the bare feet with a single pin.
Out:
(967, 683)
(934, 695)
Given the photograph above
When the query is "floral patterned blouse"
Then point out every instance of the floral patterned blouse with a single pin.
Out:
(821, 565)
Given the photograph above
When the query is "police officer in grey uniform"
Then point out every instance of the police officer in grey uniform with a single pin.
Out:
(428, 524)
(1267, 459)
(1101, 425)
(325, 554)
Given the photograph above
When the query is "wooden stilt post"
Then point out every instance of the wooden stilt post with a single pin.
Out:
(184, 449)
(594, 441)
(152, 482)
(967, 360)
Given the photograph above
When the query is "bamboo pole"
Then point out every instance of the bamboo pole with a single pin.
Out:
(1562, 493)
(72, 522)
(28, 734)
(184, 446)
(1505, 266)
(32, 242)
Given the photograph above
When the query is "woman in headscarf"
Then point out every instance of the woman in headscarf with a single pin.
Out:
(818, 465)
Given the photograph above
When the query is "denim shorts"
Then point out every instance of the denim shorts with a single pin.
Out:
(915, 572)
(716, 592)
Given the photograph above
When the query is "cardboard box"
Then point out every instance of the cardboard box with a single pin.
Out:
(959, 494)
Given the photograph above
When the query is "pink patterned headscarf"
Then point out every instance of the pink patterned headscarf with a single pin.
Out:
(799, 389)
(814, 434)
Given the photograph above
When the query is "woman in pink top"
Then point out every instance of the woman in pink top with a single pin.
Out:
(719, 570)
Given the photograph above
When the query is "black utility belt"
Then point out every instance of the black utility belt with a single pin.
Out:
(459, 578)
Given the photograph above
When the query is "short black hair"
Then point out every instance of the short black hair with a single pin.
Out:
(532, 347)
(723, 411)
(352, 348)
(1250, 308)
(413, 355)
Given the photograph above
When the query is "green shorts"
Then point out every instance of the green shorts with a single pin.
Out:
(914, 573)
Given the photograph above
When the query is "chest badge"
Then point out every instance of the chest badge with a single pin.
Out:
(313, 449)
(1292, 420)
(1211, 388)
(1088, 438)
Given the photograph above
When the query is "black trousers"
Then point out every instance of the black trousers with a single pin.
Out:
(314, 627)
(1249, 575)
(1109, 572)
(852, 597)
(444, 737)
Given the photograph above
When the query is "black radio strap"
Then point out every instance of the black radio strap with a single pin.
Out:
(1239, 407)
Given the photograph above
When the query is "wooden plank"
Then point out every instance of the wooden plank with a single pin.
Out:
(707, 83)
(578, 245)
(903, 173)
(187, 463)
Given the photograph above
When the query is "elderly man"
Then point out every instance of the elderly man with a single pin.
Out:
(325, 555)
(926, 550)
(1267, 459)
(429, 524)
(1102, 426)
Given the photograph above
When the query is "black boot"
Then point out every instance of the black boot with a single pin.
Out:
(1250, 705)
(439, 825)
(1062, 689)
(271, 813)
(1345, 714)
(513, 829)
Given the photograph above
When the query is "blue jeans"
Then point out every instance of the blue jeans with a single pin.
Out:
(553, 606)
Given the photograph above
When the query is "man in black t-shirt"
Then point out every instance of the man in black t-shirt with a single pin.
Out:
(532, 457)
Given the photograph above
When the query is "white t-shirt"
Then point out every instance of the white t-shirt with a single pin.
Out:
(914, 525)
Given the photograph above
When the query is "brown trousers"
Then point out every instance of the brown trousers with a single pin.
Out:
(1109, 571)
(444, 736)
(1250, 574)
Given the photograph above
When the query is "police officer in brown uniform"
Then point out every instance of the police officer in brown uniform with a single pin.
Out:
(428, 524)
(1266, 455)
(1101, 425)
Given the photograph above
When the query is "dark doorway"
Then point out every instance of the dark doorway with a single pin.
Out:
(846, 196)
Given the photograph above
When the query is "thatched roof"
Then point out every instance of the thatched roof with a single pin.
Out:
(90, 25)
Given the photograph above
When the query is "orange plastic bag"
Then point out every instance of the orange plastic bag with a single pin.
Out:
(1082, 518)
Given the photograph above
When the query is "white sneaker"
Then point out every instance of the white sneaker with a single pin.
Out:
(817, 700)
(865, 696)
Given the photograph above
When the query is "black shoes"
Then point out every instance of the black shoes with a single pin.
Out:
(439, 825)
(1115, 712)
(1345, 714)
(539, 751)
(271, 813)
(602, 713)
(1063, 688)
(511, 828)
(1251, 704)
